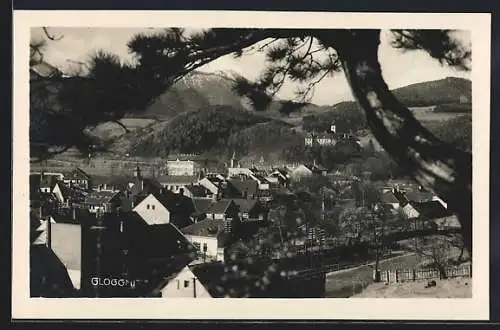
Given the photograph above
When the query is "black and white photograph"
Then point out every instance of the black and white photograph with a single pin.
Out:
(238, 161)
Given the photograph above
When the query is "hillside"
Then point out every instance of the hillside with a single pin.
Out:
(436, 92)
(196, 131)
(429, 101)
(194, 91)
(202, 114)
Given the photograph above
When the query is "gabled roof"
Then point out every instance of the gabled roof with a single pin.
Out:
(100, 197)
(250, 187)
(315, 167)
(389, 198)
(245, 205)
(198, 190)
(48, 181)
(220, 206)
(202, 205)
(175, 203)
(207, 228)
(48, 276)
(418, 196)
(430, 209)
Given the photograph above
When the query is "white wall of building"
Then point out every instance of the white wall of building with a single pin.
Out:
(210, 242)
(185, 285)
(152, 211)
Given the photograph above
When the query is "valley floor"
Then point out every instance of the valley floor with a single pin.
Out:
(450, 288)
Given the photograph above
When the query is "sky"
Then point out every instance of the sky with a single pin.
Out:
(399, 68)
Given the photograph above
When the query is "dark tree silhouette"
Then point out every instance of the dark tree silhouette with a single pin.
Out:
(305, 56)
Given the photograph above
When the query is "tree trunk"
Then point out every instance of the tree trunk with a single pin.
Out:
(437, 166)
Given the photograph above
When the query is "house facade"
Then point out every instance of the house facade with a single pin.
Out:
(183, 167)
(185, 285)
(152, 211)
(208, 236)
(103, 201)
(322, 140)
(77, 177)
(177, 183)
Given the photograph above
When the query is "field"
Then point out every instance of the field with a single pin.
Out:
(428, 114)
(450, 288)
(345, 283)
(111, 130)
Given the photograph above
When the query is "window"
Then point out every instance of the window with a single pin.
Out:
(147, 206)
(178, 284)
(152, 207)
(186, 284)
(204, 246)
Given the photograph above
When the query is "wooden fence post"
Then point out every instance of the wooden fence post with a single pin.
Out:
(388, 276)
(414, 274)
(397, 276)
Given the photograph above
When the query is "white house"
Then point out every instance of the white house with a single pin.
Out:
(211, 184)
(300, 172)
(176, 183)
(184, 285)
(208, 236)
(103, 201)
(152, 210)
(77, 177)
(183, 167)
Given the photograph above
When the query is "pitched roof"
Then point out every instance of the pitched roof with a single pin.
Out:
(219, 206)
(201, 205)
(250, 187)
(418, 196)
(388, 197)
(48, 276)
(179, 179)
(100, 197)
(245, 205)
(431, 209)
(175, 203)
(198, 190)
(153, 241)
(208, 227)
(48, 180)
(315, 167)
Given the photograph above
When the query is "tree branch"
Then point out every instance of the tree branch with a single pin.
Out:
(50, 36)
(437, 166)
(118, 122)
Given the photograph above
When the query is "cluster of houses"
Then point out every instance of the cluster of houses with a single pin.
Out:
(187, 220)
(204, 214)
(419, 207)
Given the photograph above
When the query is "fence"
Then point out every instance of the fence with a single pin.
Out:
(405, 275)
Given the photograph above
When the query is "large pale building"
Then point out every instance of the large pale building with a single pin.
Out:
(183, 167)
